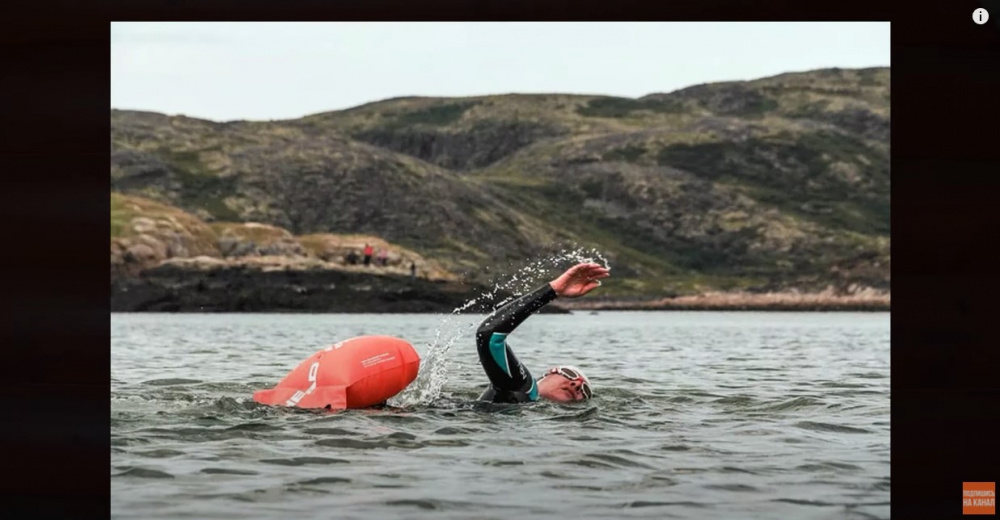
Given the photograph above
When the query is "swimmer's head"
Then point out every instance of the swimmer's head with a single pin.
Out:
(564, 384)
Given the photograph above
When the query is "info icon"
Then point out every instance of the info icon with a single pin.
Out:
(980, 16)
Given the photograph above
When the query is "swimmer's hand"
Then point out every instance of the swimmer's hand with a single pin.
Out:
(579, 280)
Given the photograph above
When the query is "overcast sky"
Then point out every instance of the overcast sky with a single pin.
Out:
(261, 71)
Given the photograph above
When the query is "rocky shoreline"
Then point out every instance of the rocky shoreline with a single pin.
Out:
(862, 301)
(210, 285)
(267, 286)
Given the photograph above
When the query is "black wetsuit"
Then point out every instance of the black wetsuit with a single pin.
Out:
(510, 381)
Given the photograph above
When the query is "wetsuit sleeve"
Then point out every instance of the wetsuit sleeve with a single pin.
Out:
(505, 372)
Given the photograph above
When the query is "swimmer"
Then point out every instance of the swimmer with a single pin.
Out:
(510, 381)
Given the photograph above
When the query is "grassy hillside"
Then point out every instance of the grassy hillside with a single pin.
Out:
(777, 182)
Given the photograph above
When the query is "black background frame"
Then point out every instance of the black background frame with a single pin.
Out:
(55, 349)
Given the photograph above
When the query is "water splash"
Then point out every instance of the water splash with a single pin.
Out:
(435, 364)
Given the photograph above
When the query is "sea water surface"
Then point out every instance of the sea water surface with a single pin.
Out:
(696, 415)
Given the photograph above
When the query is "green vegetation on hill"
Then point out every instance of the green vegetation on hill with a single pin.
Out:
(624, 107)
(437, 115)
(771, 183)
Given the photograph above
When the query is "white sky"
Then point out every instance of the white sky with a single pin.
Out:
(270, 70)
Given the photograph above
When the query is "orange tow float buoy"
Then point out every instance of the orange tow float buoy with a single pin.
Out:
(355, 373)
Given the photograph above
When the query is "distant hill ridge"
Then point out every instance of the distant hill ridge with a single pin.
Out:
(771, 184)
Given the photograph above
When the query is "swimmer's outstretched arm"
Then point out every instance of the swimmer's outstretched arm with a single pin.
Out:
(502, 367)
(498, 360)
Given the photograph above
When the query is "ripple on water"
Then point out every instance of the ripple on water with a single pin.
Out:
(575, 416)
(447, 442)
(502, 462)
(422, 504)
(870, 375)
(254, 427)
(358, 444)
(796, 403)
(802, 502)
(651, 503)
(690, 471)
(590, 463)
(855, 393)
(741, 488)
(302, 461)
(119, 441)
(842, 384)
(827, 427)
(171, 382)
(454, 430)
(661, 480)
(328, 431)
(827, 466)
(159, 454)
(186, 434)
(227, 471)
(578, 487)
(397, 418)
(736, 400)
(734, 469)
(143, 473)
(325, 480)
(616, 460)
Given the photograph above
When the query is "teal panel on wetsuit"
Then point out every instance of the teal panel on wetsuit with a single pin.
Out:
(533, 393)
(498, 348)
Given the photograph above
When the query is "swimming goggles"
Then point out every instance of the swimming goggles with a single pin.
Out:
(573, 375)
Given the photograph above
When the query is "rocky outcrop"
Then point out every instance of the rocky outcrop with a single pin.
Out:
(278, 285)
(256, 239)
(145, 233)
(164, 259)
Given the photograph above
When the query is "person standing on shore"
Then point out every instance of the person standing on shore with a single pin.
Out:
(413, 270)
(368, 254)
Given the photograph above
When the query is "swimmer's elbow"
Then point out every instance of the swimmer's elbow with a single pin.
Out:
(484, 331)
(487, 327)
